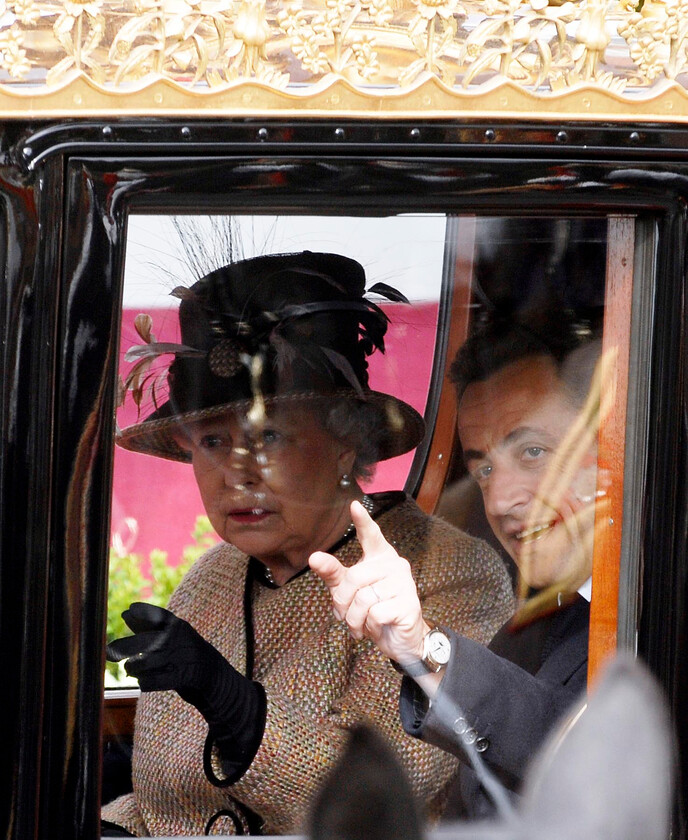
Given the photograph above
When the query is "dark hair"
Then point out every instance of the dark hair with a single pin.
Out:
(499, 342)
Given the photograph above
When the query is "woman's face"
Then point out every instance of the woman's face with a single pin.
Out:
(540, 506)
(272, 490)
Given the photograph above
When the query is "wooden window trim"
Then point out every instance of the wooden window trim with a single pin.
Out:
(444, 436)
(604, 607)
(118, 713)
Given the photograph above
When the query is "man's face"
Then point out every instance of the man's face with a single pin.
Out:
(540, 507)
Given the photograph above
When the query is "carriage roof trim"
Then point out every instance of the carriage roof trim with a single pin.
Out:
(358, 58)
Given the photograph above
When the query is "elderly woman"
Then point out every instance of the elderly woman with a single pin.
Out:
(249, 683)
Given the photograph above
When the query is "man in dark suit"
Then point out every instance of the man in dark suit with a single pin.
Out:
(528, 431)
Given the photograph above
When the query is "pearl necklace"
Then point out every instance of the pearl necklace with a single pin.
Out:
(367, 503)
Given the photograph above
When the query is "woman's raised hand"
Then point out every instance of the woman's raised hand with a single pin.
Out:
(377, 597)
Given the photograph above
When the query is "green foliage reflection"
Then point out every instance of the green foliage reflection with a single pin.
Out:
(128, 582)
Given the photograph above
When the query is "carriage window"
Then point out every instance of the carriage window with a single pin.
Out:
(257, 402)
(159, 525)
(516, 280)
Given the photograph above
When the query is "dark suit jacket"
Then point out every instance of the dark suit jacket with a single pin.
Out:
(504, 698)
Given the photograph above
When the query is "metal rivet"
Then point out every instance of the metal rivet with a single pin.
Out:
(107, 131)
(262, 134)
(481, 745)
(339, 133)
(415, 134)
(185, 132)
(611, 521)
(490, 135)
(27, 151)
(562, 137)
(634, 137)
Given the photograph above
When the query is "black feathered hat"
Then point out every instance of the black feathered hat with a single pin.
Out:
(267, 330)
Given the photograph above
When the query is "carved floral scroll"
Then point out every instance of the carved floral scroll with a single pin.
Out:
(380, 49)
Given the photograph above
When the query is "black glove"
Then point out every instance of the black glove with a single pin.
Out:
(167, 653)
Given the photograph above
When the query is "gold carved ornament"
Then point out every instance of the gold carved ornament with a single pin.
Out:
(588, 59)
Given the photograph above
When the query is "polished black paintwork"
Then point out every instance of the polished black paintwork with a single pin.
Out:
(65, 191)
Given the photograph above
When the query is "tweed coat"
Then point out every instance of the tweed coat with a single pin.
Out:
(318, 680)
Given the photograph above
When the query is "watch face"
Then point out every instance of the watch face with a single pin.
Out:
(439, 647)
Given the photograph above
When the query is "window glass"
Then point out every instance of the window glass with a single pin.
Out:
(510, 335)
(542, 278)
(150, 546)
(534, 283)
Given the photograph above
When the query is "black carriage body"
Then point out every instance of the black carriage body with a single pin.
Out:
(66, 191)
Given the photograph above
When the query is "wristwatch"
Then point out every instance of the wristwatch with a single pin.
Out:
(436, 650)
(435, 656)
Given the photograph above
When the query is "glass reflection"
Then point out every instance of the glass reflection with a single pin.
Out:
(266, 392)
(531, 393)
(275, 474)
(165, 252)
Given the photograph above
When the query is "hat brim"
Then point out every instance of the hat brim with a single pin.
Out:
(401, 427)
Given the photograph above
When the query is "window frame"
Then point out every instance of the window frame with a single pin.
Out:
(65, 537)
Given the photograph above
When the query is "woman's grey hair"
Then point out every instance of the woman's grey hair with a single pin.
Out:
(358, 425)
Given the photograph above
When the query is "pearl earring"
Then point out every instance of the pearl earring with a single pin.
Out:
(345, 481)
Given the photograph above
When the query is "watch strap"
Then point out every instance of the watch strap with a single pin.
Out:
(417, 668)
